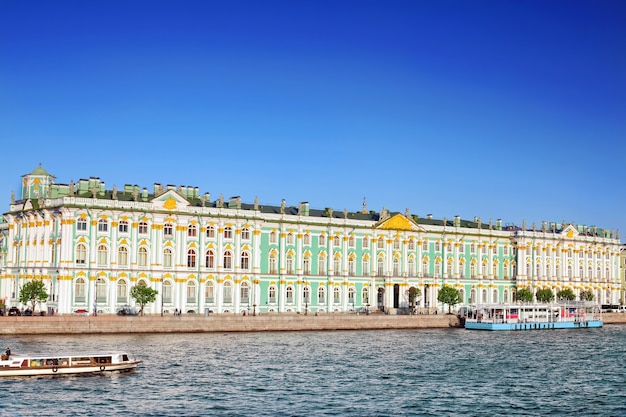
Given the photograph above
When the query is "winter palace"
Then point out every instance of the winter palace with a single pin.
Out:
(91, 245)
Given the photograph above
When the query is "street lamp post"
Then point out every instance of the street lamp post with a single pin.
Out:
(161, 297)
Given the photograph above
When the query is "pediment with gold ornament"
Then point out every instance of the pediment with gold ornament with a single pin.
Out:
(169, 200)
(570, 232)
(399, 222)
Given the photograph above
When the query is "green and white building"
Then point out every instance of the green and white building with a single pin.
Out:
(90, 245)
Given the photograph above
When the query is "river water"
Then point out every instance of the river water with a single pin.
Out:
(452, 372)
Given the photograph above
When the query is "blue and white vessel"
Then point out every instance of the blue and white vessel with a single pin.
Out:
(570, 315)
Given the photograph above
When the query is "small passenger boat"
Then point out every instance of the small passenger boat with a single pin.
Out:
(94, 363)
(571, 315)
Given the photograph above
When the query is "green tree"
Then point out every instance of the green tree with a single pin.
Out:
(450, 296)
(565, 295)
(143, 295)
(525, 295)
(545, 295)
(586, 295)
(33, 292)
(414, 293)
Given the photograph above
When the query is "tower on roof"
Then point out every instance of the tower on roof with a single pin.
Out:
(36, 184)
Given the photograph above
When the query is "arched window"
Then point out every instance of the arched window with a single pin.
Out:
(351, 292)
(411, 264)
(210, 232)
(380, 267)
(245, 261)
(289, 294)
(411, 244)
(271, 294)
(79, 290)
(336, 241)
(290, 238)
(322, 240)
(167, 292)
(425, 269)
(228, 260)
(228, 292)
(228, 232)
(366, 242)
(101, 290)
(122, 291)
(245, 234)
(337, 264)
(192, 230)
(366, 267)
(142, 257)
(396, 267)
(122, 256)
(336, 295)
(143, 228)
(365, 296)
(396, 244)
(103, 255)
(168, 230)
(191, 292)
(167, 258)
(289, 264)
(321, 295)
(351, 267)
(191, 258)
(306, 239)
(209, 292)
(209, 259)
(321, 264)
(272, 236)
(306, 264)
(351, 241)
(244, 292)
(272, 264)
(380, 244)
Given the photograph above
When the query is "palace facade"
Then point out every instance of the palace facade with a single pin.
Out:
(90, 245)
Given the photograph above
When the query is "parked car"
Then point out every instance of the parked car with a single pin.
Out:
(14, 311)
(127, 311)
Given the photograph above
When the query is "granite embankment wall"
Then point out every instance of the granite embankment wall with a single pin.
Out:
(110, 324)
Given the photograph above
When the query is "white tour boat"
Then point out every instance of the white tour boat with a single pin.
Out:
(570, 315)
(92, 363)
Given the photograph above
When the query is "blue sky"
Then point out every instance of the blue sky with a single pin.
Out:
(496, 109)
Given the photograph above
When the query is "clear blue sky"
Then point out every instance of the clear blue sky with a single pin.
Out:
(498, 109)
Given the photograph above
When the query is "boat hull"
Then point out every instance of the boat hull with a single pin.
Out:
(69, 370)
(473, 325)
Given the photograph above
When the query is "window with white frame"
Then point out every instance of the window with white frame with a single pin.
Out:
(306, 264)
(336, 295)
(271, 294)
(79, 290)
(273, 237)
(245, 234)
(245, 261)
(411, 244)
(244, 291)
(192, 230)
(122, 227)
(191, 292)
(289, 264)
(289, 294)
(366, 267)
(272, 264)
(321, 264)
(122, 291)
(228, 232)
(101, 290)
(210, 232)
(336, 241)
(168, 230)
(228, 259)
(209, 292)
(167, 292)
(380, 242)
(103, 225)
(365, 296)
(143, 228)
(351, 241)
(366, 242)
(290, 238)
(81, 224)
(228, 292)
(321, 295)
(322, 240)
(122, 256)
(103, 255)
(337, 265)
(191, 258)
(167, 258)
(142, 256)
(209, 259)
(306, 239)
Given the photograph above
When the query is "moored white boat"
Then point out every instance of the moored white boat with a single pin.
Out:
(64, 364)
(571, 315)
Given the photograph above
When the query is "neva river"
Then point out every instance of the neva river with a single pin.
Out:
(451, 372)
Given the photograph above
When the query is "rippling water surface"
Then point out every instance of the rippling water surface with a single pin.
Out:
(354, 373)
